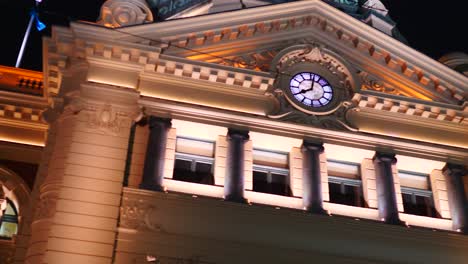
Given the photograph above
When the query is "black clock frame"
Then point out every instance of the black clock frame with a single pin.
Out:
(334, 81)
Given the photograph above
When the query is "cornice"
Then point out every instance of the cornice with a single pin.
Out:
(376, 45)
(22, 123)
(374, 48)
(422, 109)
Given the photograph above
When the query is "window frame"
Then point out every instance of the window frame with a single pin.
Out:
(345, 181)
(194, 159)
(10, 219)
(413, 192)
(269, 170)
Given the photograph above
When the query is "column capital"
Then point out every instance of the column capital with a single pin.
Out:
(237, 133)
(156, 121)
(455, 170)
(312, 146)
(385, 157)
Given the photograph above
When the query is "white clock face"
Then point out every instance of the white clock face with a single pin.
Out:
(311, 89)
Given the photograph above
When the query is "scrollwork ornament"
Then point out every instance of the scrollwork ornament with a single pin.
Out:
(336, 121)
(135, 214)
(107, 120)
(46, 208)
(372, 83)
(119, 13)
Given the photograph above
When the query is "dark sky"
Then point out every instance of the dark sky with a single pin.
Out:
(432, 27)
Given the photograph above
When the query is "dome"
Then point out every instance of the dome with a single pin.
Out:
(457, 61)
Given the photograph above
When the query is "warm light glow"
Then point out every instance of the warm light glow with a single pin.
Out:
(418, 165)
(272, 142)
(21, 141)
(351, 211)
(198, 130)
(348, 154)
(111, 82)
(274, 200)
(424, 221)
(193, 188)
(251, 106)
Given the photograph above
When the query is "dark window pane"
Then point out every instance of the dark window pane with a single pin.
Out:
(260, 182)
(418, 205)
(182, 165)
(278, 184)
(204, 173)
(200, 173)
(345, 194)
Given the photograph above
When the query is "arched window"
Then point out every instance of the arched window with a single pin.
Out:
(9, 221)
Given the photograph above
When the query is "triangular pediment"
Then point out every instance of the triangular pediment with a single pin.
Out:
(251, 38)
(224, 62)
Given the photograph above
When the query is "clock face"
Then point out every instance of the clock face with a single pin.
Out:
(311, 89)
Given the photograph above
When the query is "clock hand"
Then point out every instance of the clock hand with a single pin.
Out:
(311, 87)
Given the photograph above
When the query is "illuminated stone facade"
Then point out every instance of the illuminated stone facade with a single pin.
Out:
(184, 141)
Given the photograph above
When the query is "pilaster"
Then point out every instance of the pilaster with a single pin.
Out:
(456, 195)
(386, 194)
(79, 198)
(153, 171)
(312, 177)
(235, 172)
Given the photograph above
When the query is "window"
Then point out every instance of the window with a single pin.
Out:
(9, 221)
(344, 183)
(270, 172)
(194, 161)
(417, 194)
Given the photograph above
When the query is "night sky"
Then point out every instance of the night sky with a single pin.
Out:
(432, 27)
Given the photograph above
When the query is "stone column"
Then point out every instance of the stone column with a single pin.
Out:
(386, 197)
(153, 171)
(456, 195)
(79, 199)
(234, 180)
(311, 178)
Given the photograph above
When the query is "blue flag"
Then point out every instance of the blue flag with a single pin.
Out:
(39, 25)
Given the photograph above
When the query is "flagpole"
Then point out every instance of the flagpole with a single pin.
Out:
(26, 35)
(25, 40)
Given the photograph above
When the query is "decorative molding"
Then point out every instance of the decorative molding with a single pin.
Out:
(366, 41)
(335, 120)
(106, 120)
(372, 83)
(16, 112)
(119, 13)
(136, 213)
(46, 208)
(258, 61)
(159, 259)
(398, 105)
(318, 59)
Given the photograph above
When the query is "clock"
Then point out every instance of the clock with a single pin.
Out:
(311, 89)
(314, 80)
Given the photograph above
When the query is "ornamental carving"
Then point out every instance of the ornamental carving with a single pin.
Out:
(46, 208)
(119, 13)
(107, 120)
(314, 86)
(136, 214)
(371, 83)
(158, 259)
(336, 121)
(258, 61)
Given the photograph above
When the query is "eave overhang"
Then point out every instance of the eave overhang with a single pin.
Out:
(134, 57)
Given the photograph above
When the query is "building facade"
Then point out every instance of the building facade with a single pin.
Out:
(299, 132)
